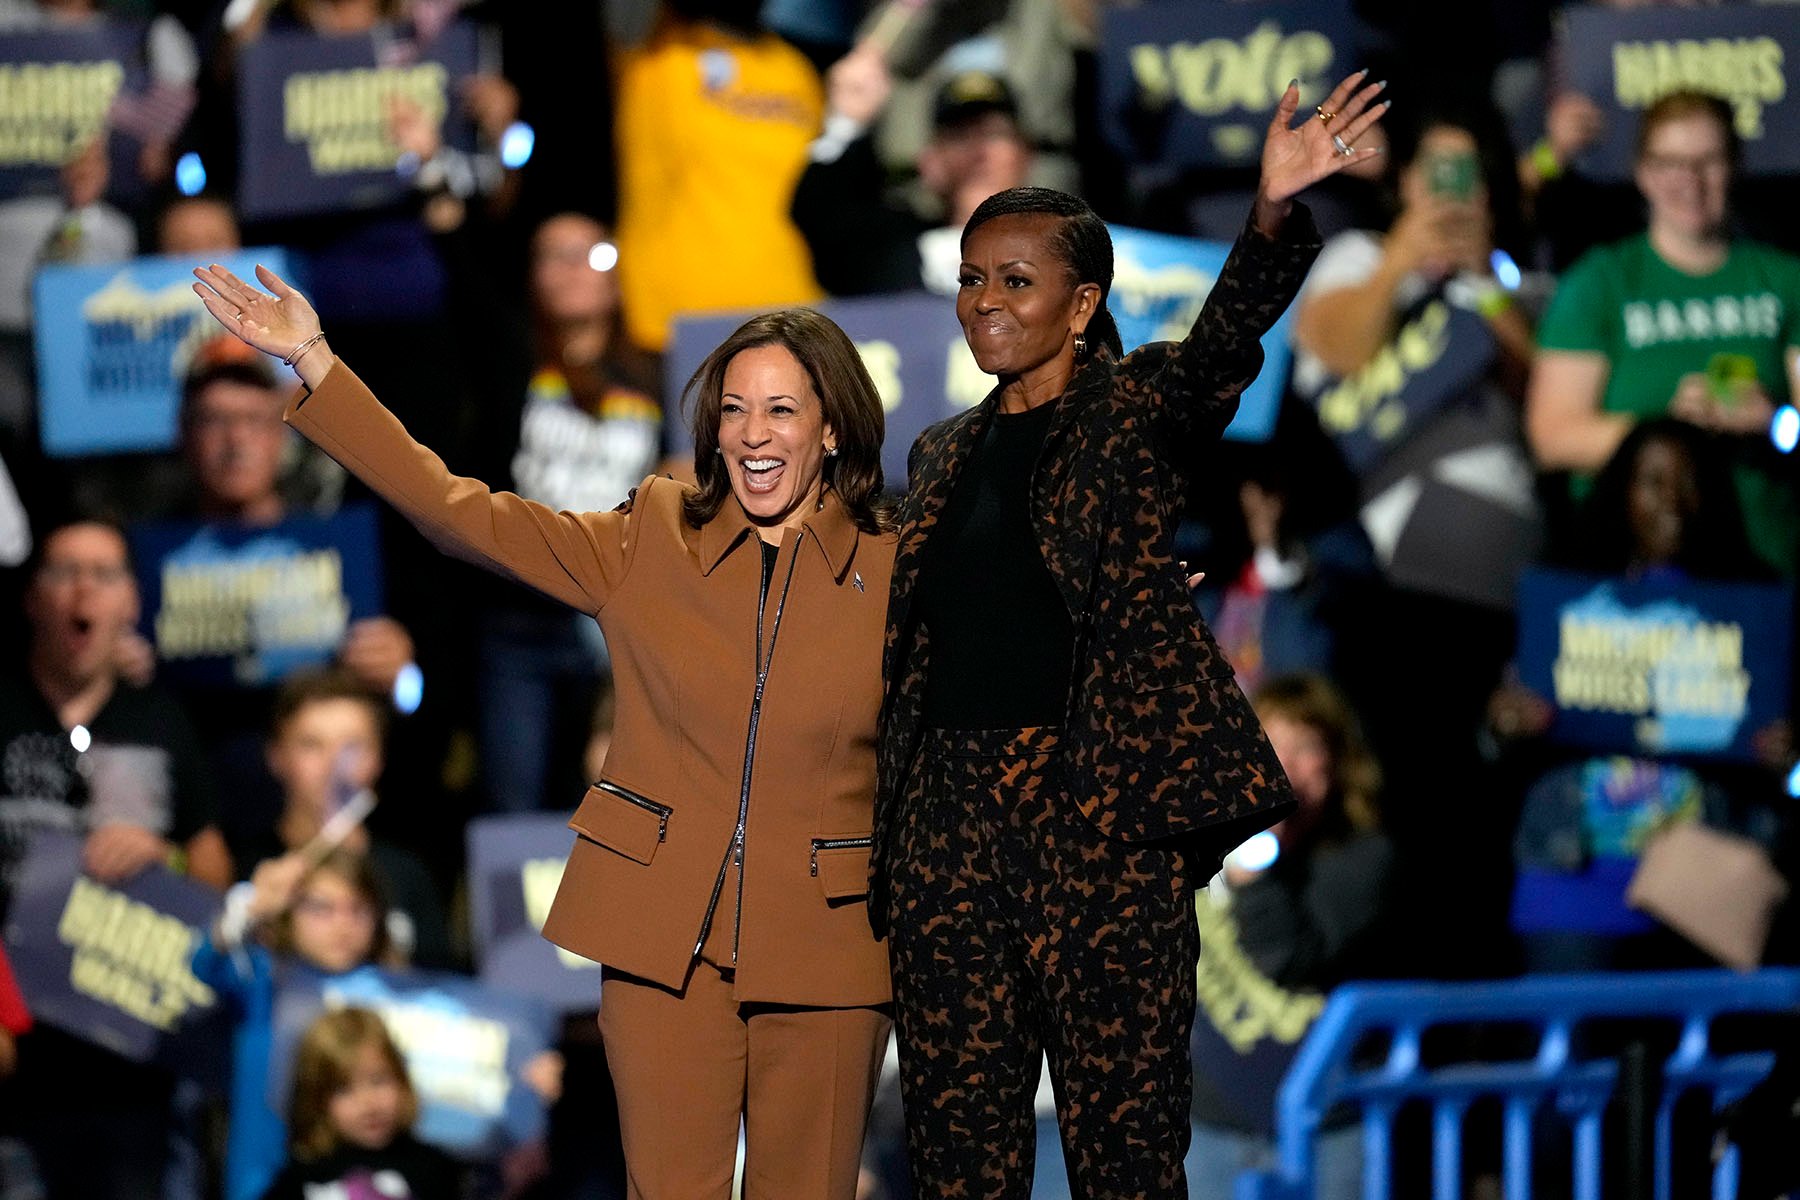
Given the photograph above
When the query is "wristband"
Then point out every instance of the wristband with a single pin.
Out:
(299, 352)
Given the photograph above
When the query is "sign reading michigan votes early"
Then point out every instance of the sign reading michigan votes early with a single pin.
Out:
(1656, 667)
(1627, 59)
(1188, 84)
(315, 123)
(56, 88)
(113, 344)
(239, 605)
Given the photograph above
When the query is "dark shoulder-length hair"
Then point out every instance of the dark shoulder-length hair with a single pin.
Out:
(1715, 543)
(847, 396)
(1081, 242)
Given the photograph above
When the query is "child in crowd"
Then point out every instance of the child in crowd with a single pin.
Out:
(326, 917)
(352, 1114)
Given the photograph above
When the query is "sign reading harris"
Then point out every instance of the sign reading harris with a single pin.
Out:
(515, 865)
(1186, 84)
(108, 962)
(233, 606)
(467, 1047)
(315, 116)
(1627, 59)
(113, 345)
(915, 352)
(1656, 667)
(56, 88)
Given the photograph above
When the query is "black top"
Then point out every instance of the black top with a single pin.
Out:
(406, 1170)
(1002, 644)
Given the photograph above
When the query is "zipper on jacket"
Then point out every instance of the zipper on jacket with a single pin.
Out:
(662, 811)
(819, 844)
(734, 853)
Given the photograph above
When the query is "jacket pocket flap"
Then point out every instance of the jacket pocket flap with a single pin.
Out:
(842, 865)
(1172, 665)
(622, 820)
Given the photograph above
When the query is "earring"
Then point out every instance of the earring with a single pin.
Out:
(831, 452)
(1081, 345)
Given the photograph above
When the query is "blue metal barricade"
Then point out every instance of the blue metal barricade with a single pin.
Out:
(1325, 1074)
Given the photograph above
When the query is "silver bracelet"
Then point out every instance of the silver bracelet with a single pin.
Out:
(302, 348)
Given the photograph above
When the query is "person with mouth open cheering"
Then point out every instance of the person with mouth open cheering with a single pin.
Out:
(722, 861)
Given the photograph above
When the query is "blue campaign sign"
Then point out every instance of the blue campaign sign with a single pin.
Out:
(915, 352)
(56, 89)
(113, 345)
(1195, 84)
(238, 605)
(1247, 1028)
(515, 865)
(314, 116)
(108, 962)
(466, 1045)
(1656, 666)
(1625, 59)
(1438, 355)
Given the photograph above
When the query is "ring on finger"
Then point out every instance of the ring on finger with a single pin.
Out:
(1323, 115)
(1344, 148)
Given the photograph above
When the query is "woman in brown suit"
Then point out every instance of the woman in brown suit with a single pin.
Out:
(722, 862)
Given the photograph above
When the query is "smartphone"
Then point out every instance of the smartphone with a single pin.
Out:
(1452, 176)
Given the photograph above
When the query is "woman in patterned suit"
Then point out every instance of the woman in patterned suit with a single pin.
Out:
(1064, 756)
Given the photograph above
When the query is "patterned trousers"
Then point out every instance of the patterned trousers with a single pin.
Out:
(1016, 931)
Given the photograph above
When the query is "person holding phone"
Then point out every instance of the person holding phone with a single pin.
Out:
(1685, 320)
(1455, 196)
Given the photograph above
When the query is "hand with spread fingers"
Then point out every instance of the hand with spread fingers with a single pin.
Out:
(1295, 158)
(283, 324)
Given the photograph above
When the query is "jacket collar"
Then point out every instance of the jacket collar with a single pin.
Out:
(830, 527)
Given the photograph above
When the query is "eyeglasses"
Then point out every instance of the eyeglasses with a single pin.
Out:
(314, 906)
(1671, 164)
(62, 574)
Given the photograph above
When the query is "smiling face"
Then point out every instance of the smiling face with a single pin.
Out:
(1019, 308)
(773, 436)
(333, 924)
(1685, 176)
(572, 280)
(365, 1109)
(82, 600)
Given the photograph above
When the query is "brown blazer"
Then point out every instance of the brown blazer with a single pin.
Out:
(679, 609)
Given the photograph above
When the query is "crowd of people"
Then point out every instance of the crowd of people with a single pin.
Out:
(1625, 358)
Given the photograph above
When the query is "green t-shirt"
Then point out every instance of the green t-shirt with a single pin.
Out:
(1656, 324)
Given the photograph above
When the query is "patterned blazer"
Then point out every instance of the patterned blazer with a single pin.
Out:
(1159, 739)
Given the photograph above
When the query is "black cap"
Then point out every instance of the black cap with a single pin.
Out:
(969, 95)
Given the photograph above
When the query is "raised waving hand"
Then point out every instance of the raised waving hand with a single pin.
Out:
(283, 323)
(1295, 158)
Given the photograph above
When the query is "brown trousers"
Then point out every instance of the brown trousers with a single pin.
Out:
(689, 1065)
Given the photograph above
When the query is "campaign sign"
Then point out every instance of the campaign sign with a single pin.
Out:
(113, 345)
(314, 117)
(1184, 84)
(1656, 667)
(108, 963)
(466, 1047)
(915, 352)
(244, 606)
(1439, 353)
(515, 865)
(1625, 59)
(1248, 1028)
(56, 88)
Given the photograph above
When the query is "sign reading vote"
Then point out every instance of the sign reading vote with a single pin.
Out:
(915, 352)
(515, 865)
(1627, 59)
(113, 345)
(467, 1048)
(1656, 667)
(238, 605)
(1438, 355)
(1188, 84)
(108, 962)
(315, 117)
(56, 88)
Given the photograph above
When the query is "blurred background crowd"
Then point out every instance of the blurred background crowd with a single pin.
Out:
(1625, 344)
